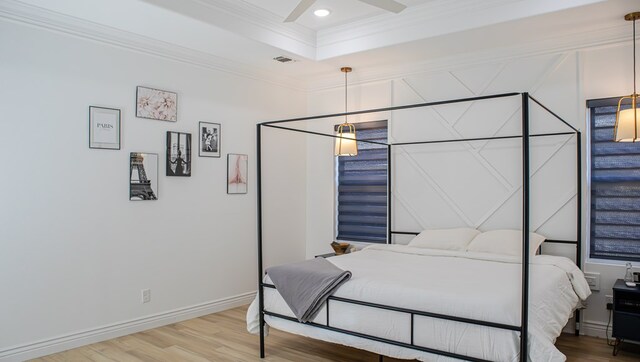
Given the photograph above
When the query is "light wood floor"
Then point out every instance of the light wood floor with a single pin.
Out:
(222, 337)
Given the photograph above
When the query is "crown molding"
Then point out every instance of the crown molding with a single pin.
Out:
(430, 20)
(415, 15)
(249, 21)
(614, 35)
(19, 12)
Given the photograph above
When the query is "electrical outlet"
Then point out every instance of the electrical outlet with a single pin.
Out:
(608, 299)
(146, 295)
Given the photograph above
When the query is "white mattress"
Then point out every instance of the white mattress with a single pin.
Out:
(472, 285)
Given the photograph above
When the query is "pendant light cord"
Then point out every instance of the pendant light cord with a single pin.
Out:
(345, 92)
(634, 58)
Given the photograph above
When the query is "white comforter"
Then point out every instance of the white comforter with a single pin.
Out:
(473, 285)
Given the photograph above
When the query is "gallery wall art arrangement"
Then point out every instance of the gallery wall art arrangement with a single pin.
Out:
(105, 131)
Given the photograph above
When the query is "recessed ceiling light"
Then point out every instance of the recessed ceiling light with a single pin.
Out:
(321, 13)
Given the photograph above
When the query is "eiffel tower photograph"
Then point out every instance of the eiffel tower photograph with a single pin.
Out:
(143, 176)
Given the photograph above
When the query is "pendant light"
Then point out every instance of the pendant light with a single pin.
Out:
(627, 128)
(346, 144)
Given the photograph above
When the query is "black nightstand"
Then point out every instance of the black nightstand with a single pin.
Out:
(626, 313)
(327, 255)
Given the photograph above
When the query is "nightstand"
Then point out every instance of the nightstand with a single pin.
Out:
(626, 314)
(327, 255)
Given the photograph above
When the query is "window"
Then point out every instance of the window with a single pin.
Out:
(362, 187)
(615, 187)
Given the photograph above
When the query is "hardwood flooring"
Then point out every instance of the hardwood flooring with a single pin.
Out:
(222, 337)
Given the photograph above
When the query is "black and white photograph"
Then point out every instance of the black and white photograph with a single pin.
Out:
(178, 154)
(209, 134)
(104, 128)
(143, 176)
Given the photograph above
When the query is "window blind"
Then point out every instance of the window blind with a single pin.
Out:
(362, 187)
(615, 187)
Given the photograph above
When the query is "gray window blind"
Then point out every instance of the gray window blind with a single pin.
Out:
(615, 187)
(362, 187)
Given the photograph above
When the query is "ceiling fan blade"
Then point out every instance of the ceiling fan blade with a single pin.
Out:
(299, 10)
(389, 5)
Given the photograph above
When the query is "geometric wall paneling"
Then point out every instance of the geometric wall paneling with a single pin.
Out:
(556, 225)
(453, 133)
(551, 184)
(417, 125)
(434, 181)
(478, 78)
(559, 90)
(437, 86)
(545, 149)
(441, 86)
(543, 122)
(453, 171)
(547, 163)
(522, 74)
(485, 118)
(505, 156)
(406, 218)
(506, 214)
(404, 94)
(422, 194)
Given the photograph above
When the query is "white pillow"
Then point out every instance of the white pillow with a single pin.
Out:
(504, 242)
(447, 239)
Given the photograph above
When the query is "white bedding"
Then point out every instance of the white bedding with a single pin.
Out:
(472, 285)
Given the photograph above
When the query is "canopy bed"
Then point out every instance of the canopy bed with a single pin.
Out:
(403, 301)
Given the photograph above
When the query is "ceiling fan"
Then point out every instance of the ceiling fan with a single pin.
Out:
(389, 5)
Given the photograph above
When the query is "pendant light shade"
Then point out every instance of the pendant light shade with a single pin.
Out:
(346, 143)
(627, 128)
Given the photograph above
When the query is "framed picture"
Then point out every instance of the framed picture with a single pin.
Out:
(156, 104)
(209, 135)
(143, 176)
(178, 154)
(104, 128)
(237, 167)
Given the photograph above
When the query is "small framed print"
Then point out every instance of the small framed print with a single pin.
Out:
(143, 176)
(237, 168)
(156, 104)
(104, 128)
(178, 154)
(209, 136)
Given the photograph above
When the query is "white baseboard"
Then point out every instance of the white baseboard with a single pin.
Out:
(594, 329)
(81, 338)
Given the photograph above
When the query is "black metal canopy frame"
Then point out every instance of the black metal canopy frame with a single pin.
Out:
(525, 136)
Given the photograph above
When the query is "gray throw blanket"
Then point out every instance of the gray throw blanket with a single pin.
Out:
(306, 285)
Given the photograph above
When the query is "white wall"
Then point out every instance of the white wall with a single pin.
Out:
(75, 252)
(478, 184)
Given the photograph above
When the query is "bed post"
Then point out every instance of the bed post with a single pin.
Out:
(389, 241)
(259, 227)
(578, 214)
(524, 324)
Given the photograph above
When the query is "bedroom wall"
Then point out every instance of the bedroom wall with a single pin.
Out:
(437, 186)
(75, 252)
